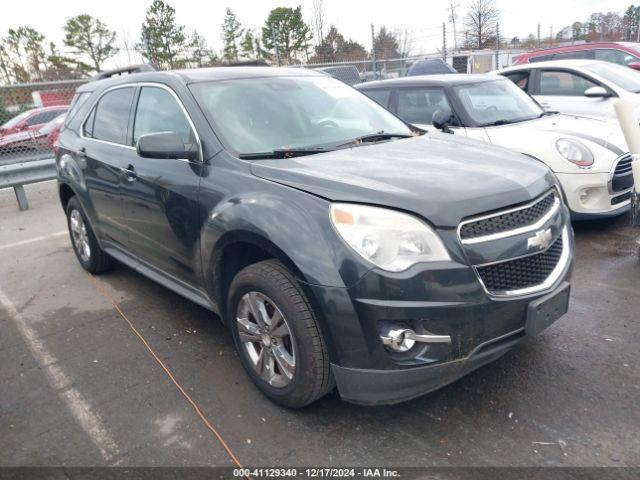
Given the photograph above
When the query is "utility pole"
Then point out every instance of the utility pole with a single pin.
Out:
(453, 22)
(444, 41)
(373, 52)
(551, 34)
(538, 35)
(275, 44)
(497, 46)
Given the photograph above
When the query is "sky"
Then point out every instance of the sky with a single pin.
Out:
(353, 18)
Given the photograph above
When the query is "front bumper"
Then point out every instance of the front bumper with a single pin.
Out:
(375, 387)
(384, 387)
(589, 195)
(446, 300)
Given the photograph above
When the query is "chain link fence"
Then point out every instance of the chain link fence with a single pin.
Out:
(31, 116)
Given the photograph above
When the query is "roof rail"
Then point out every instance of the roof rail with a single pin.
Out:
(143, 67)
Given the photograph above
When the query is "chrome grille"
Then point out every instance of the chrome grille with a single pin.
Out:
(510, 220)
(521, 273)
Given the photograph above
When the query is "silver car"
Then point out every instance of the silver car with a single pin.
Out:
(579, 87)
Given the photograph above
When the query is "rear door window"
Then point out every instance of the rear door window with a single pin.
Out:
(521, 78)
(562, 83)
(417, 105)
(380, 96)
(44, 117)
(576, 54)
(112, 116)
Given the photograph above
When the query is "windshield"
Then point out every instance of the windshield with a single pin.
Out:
(52, 125)
(17, 119)
(266, 114)
(498, 101)
(624, 77)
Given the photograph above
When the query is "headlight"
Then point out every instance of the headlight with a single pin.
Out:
(575, 152)
(391, 240)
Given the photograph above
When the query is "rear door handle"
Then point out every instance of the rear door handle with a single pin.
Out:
(129, 173)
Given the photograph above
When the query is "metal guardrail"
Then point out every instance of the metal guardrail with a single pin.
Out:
(17, 175)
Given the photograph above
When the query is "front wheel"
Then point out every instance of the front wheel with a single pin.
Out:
(277, 336)
(92, 258)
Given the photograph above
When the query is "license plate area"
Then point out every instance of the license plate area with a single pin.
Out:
(546, 310)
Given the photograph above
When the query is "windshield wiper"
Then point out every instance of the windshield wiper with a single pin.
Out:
(498, 123)
(373, 137)
(284, 153)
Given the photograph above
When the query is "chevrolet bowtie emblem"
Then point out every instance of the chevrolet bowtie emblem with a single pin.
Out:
(541, 240)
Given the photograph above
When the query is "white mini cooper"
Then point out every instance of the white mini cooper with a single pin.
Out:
(589, 156)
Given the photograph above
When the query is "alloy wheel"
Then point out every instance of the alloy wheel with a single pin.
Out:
(79, 235)
(266, 339)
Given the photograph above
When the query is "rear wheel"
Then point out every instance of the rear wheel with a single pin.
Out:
(92, 258)
(277, 336)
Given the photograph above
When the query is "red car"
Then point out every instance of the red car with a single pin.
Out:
(40, 139)
(32, 119)
(622, 53)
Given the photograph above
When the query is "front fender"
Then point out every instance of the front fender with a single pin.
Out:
(292, 225)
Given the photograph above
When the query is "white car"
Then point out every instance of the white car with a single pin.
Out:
(579, 87)
(589, 156)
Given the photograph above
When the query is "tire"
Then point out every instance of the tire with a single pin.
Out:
(92, 258)
(271, 284)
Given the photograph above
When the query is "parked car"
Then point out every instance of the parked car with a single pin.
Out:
(579, 87)
(622, 53)
(430, 66)
(31, 119)
(40, 139)
(589, 156)
(348, 74)
(338, 246)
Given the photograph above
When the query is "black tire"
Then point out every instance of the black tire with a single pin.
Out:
(312, 377)
(97, 261)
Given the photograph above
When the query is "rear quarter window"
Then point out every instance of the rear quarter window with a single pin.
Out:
(78, 100)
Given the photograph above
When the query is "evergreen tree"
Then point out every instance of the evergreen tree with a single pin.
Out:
(231, 34)
(162, 41)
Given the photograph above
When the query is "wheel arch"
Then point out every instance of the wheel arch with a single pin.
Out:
(240, 249)
(235, 251)
(65, 192)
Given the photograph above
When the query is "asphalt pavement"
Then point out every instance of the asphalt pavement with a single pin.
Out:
(79, 387)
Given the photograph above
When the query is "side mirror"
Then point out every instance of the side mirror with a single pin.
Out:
(441, 119)
(634, 65)
(165, 145)
(596, 92)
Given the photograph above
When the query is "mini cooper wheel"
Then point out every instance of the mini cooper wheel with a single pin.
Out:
(92, 258)
(277, 336)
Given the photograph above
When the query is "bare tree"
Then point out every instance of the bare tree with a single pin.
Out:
(481, 19)
(318, 20)
(405, 38)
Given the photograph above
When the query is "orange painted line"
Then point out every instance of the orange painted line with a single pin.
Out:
(193, 404)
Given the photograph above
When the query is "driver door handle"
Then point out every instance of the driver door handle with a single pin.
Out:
(129, 173)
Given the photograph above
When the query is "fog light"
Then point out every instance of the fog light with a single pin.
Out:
(584, 195)
(401, 339)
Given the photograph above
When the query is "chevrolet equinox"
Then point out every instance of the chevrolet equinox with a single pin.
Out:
(340, 247)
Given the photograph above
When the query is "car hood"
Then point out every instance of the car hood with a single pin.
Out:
(537, 137)
(437, 176)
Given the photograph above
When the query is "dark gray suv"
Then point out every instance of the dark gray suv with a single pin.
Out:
(339, 246)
